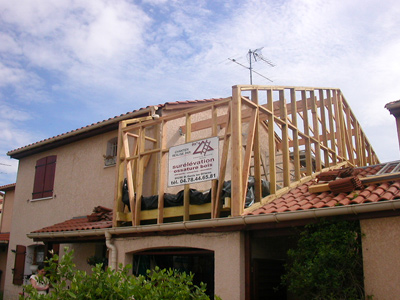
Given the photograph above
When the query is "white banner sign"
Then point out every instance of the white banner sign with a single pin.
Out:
(193, 162)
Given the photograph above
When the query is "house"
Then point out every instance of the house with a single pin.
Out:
(211, 186)
(6, 207)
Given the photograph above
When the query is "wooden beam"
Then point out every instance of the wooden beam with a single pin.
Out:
(285, 140)
(271, 144)
(237, 183)
(186, 193)
(162, 172)
(295, 143)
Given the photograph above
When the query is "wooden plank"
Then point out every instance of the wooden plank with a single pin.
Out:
(118, 205)
(333, 145)
(257, 152)
(324, 128)
(307, 134)
(214, 183)
(271, 144)
(295, 143)
(223, 164)
(248, 152)
(186, 198)
(162, 173)
(139, 177)
(349, 139)
(285, 140)
(237, 184)
(317, 143)
(129, 171)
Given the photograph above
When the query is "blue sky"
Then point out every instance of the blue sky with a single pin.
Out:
(66, 64)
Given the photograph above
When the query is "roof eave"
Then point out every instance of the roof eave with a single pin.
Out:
(233, 222)
(69, 137)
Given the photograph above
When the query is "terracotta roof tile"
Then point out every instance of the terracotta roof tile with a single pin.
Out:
(300, 198)
(112, 119)
(4, 237)
(99, 219)
(7, 187)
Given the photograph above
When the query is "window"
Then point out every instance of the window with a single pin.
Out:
(111, 153)
(44, 177)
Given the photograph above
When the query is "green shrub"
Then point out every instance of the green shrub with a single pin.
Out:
(69, 283)
(327, 262)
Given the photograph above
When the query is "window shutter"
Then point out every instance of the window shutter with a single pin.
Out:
(19, 265)
(49, 176)
(39, 178)
(44, 177)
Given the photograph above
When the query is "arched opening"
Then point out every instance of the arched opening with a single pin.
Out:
(195, 260)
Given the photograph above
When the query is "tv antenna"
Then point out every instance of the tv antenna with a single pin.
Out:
(254, 55)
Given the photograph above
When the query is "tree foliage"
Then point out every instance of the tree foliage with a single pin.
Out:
(327, 262)
(69, 283)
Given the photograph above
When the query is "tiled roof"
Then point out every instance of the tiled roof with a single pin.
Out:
(100, 218)
(7, 187)
(4, 237)
(115, 119)
(300, 198)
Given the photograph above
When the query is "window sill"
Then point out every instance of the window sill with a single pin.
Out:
(40, 199)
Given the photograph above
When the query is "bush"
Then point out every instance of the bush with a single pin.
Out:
(327, 263)
(69, 283)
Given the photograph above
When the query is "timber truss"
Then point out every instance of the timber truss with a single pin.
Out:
(273, 133)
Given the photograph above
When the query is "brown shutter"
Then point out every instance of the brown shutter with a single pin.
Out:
(39, 178)
(44, 177)
(49, 176)
(19, 265)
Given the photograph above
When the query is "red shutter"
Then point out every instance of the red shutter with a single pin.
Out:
(44, 177)
(19, 265)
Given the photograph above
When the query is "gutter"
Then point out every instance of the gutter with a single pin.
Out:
(355, 209)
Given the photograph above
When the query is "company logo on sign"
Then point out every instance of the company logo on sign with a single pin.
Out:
(193, 162)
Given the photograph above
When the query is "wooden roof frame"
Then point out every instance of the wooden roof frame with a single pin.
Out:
(315, 121)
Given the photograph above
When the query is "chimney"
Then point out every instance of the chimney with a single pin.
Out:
(394, 109)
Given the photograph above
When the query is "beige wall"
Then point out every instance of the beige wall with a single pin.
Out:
(8, 203)
(5, 226)
(228, 255)
(381, 252)
(81, 183)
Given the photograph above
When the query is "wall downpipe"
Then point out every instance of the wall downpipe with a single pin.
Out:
(113, 251)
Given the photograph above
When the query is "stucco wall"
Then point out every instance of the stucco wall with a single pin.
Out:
(381, 252)
(228, 255)
(81, 183)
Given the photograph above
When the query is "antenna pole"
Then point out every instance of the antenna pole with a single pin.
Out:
(251, 69)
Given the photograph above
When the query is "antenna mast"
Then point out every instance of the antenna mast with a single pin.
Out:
(254, 54)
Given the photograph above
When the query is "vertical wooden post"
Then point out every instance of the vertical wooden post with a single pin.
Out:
(214, 183)
(237, 199)
(271, 143)
(161, 171)
(323, 126)
(223, 163)
(256, 152)
(296, 153)
(285, 138)
(307, 141)
(186, 198)
(120, 167)
(140, 175)
(338, 122)
(317, 145)
(332, 136)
